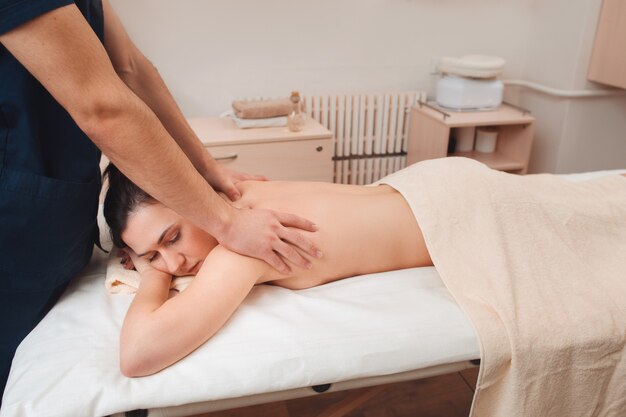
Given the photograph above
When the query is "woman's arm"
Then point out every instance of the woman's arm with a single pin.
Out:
(158, 332)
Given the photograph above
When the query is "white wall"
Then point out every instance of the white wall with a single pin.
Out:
(210, 52)
(578, 134)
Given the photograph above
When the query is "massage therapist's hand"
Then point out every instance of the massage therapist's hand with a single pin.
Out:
(266, 235)
(224, 180)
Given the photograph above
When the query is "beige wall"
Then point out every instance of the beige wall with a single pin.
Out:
(210, 52)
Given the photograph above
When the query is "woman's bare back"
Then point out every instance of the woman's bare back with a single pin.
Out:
(361, 229)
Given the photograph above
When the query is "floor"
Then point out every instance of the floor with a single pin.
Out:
(446, 395)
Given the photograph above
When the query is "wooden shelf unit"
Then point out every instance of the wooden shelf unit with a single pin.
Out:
(429, 134)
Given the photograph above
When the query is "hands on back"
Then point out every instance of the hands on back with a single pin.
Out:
(262, 234)
(265, 234)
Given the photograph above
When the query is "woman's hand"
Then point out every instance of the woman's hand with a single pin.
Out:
(224, 180)
(130, 260)
(126, 262)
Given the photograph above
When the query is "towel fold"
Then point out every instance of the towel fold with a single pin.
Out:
(261, 109)
(253, 123)
(120, 280)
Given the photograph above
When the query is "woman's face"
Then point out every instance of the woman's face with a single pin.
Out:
(166, 240)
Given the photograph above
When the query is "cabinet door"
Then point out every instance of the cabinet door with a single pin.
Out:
(304, 160)
(608, 60)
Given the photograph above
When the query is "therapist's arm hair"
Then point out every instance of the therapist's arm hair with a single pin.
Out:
(158, 331)
(60, 49)
(142, 77)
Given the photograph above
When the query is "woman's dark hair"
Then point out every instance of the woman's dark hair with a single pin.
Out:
(122, 199)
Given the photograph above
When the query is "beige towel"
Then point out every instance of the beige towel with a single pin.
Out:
(255, 123)
(539, 266)
(261, 109)
(119, 280)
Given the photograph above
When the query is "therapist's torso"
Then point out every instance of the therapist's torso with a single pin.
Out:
(49, 179)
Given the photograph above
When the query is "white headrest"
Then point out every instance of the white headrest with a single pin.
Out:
(476, 66)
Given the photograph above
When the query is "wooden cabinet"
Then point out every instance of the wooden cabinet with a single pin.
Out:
(272, 151)
(430, 132)
(608, 59)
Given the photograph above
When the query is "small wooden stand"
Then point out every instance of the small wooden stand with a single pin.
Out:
(430, 129)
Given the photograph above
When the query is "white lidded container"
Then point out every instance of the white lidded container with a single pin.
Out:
(470, 83)
(458, 93)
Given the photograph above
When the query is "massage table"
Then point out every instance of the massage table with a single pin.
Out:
(280, 344)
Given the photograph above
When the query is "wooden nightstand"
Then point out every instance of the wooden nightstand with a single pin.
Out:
(274, 152)
(430, 129)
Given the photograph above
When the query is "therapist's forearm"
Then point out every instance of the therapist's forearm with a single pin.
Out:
(145, 81)
(132, 137)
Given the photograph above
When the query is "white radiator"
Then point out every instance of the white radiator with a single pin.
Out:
(370, 132)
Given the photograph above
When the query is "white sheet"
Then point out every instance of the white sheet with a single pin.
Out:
(278, 339)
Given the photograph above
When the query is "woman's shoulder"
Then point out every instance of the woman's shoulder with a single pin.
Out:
(222, 261)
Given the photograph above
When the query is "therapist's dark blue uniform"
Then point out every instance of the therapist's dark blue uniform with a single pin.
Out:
(49, 186)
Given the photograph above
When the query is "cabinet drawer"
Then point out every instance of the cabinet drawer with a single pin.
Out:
(302, 160)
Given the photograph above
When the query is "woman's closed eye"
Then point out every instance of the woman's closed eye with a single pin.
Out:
(170, 242)
(174, 239)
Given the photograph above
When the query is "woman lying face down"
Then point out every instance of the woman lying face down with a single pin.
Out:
(361, 230)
